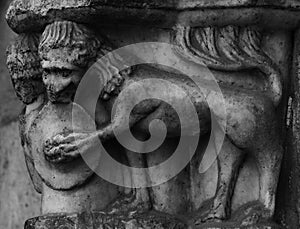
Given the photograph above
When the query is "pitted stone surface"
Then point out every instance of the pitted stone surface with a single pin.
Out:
(151, 220)
(34, 15)
(237, 40)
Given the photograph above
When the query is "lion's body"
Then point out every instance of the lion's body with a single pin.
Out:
(251, 128)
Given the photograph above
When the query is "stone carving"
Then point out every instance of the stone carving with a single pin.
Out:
(66, 50)
(24, 65)
(100, 220)
(42, 119)
(233, 48)
(151, 12)
(252, 126)
(65, 60)
(26, 73)
(46, 71)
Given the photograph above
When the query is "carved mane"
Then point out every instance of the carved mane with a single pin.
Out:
(229, 48)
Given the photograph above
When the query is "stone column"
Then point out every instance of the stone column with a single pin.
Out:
(288, 203)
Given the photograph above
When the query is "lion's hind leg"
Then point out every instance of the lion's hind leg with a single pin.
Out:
(229, 162)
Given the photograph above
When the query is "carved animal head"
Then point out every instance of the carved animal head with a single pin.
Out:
(25, 68)
(67, 49)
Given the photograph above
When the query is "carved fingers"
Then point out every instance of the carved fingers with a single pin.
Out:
(60, 154)
(63, 148)
(64, 139)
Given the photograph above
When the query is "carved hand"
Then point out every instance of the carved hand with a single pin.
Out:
(62, 149)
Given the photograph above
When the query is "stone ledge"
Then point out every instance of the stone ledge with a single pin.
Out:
(29, 15)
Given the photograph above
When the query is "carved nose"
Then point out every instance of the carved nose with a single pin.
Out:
(56, 84)
(56, 89)
(63, 94)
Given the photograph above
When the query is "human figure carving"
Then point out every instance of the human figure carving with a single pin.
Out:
(26, 74)
(67, 50)
(252, 126)
(42, 119)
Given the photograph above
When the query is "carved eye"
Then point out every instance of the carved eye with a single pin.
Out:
(46, 72)
(66, 73)
(45, 75)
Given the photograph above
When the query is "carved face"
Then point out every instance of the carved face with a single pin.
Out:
(61, 84)
(28, 90)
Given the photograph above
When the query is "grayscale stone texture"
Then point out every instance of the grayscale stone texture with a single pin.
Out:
(251, 47)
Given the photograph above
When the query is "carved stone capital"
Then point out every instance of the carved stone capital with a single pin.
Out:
(237, 41)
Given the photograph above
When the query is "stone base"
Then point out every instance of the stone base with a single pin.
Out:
(103, 221)
(228, 226)
(149, 220)
(249, 216)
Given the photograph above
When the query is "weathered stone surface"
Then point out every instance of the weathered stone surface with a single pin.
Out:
(64, 186)
(249, 67)
(150, 220)
(32, 15)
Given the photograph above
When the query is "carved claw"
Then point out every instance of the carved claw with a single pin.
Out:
(112, 87)
(211, 217)
(250, 220)
(128, 204)
(254, 214)
(213, 214)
